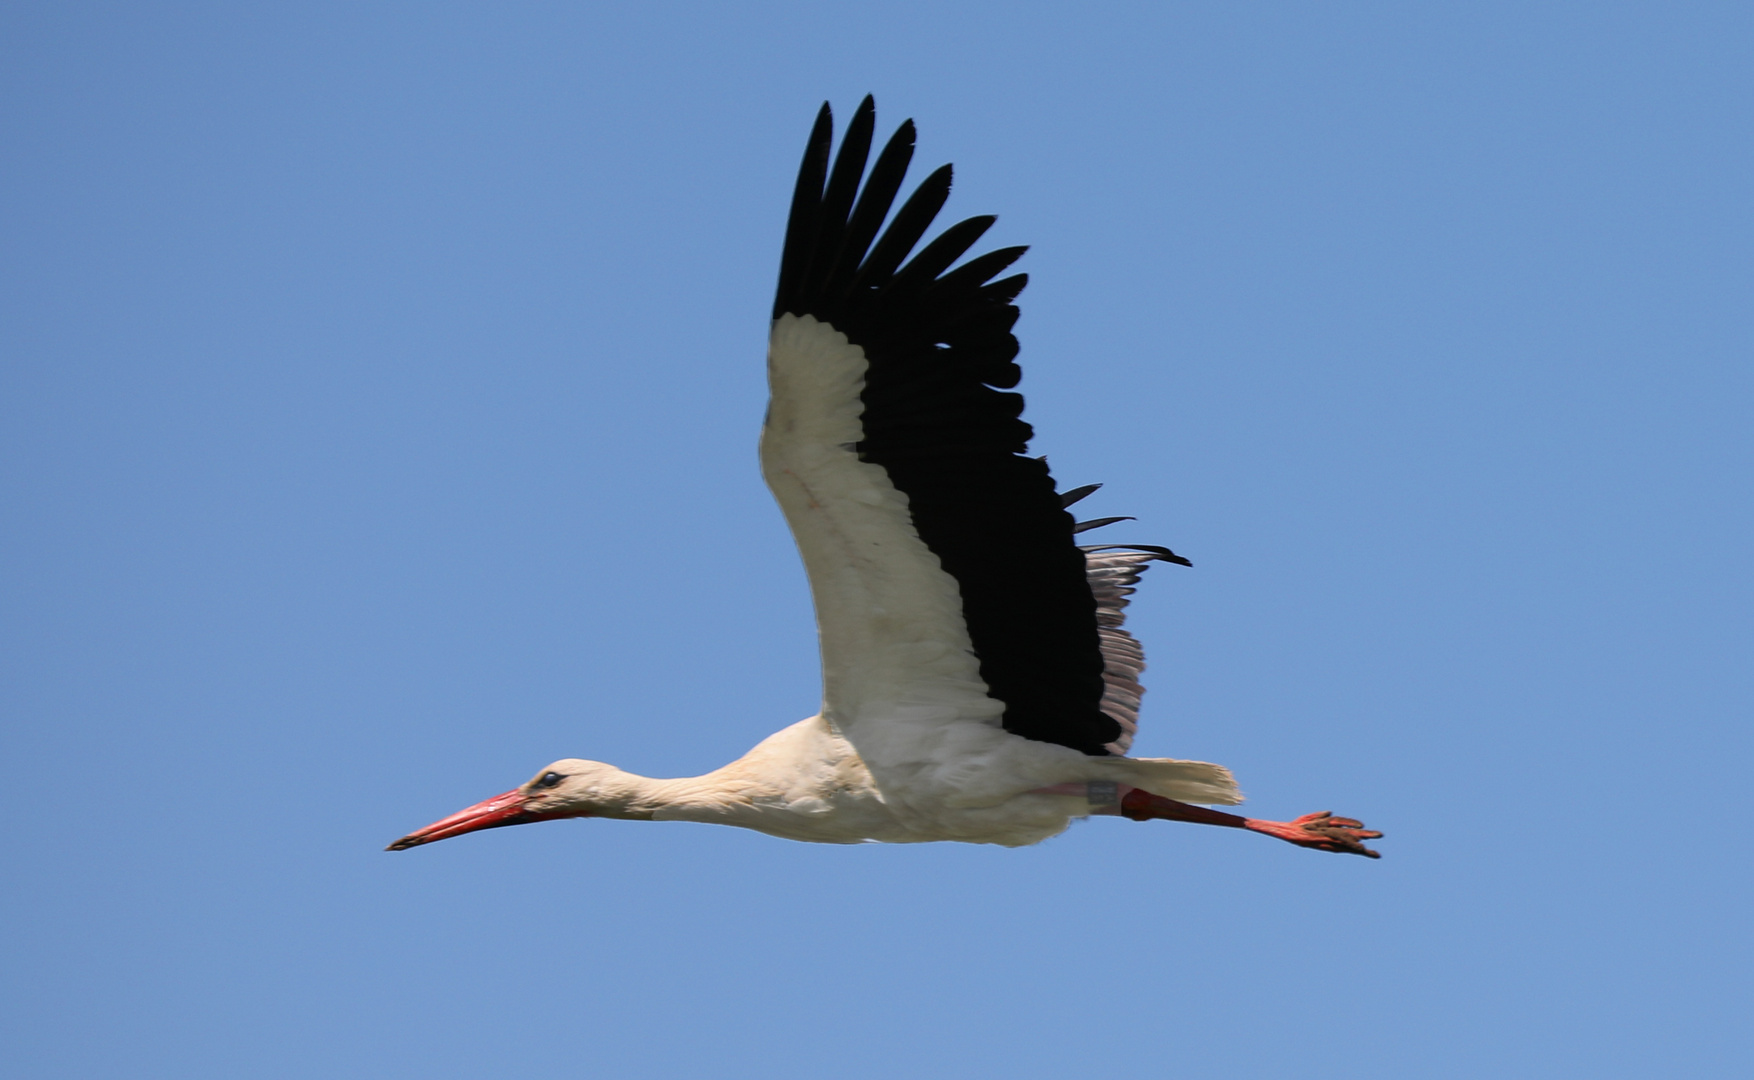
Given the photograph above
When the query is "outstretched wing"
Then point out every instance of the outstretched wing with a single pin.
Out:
(951, 596)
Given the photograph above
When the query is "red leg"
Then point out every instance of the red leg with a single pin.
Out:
(1322, 831)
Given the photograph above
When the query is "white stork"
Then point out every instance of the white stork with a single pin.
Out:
(977, 683)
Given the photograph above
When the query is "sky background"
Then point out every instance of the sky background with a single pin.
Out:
(378, 409)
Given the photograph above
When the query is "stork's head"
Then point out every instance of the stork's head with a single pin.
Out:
(568, 788)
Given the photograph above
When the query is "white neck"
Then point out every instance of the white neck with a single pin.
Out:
(629, 796)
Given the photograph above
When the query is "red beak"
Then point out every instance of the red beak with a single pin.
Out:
(494, 813)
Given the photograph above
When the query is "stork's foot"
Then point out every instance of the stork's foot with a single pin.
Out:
(1322, 831)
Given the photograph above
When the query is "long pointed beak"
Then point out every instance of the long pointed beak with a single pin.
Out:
(494, 813)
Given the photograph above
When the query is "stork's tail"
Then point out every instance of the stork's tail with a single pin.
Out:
(1184, 781)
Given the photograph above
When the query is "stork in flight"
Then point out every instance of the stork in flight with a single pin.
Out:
(977, 683)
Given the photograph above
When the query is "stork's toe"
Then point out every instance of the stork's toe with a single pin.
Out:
(1323, 832)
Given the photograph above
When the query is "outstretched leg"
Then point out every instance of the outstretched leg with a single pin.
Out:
(1322, 831)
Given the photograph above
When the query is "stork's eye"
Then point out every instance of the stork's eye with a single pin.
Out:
(548, 780)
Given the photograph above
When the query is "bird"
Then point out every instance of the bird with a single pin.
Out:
(978, 681)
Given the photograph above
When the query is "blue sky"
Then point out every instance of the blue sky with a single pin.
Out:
(377, 424)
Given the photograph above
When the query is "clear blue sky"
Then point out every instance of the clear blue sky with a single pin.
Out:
(377, 416)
